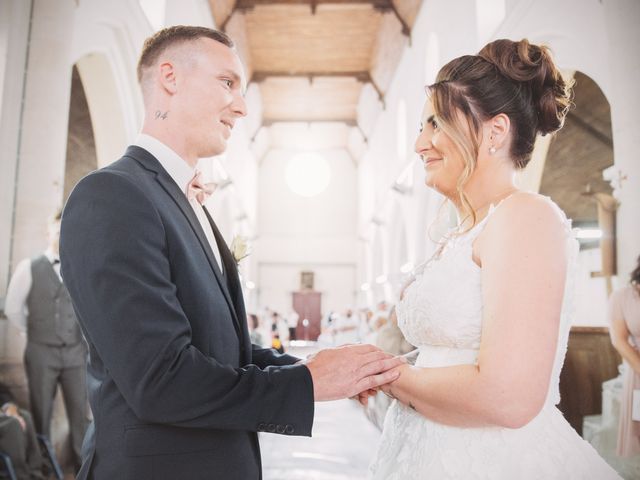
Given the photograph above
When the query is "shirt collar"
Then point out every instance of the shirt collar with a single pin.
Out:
(177, 168)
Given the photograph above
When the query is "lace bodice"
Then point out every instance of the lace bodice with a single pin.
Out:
(441, 311)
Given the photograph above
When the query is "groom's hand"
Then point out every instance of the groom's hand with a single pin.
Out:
(346, 371)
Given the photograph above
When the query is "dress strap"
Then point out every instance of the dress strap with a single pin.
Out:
(472, 234)
(478, 227)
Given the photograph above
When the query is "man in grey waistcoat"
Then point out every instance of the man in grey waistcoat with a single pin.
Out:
(56, 354)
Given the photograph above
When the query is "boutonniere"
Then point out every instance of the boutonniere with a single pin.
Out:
(240, 248)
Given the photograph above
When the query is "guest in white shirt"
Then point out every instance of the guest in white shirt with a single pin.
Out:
(38, 304)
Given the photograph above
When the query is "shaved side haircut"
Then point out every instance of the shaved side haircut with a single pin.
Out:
(161, 41)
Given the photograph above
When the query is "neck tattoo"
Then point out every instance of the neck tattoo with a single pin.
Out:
(161, 115)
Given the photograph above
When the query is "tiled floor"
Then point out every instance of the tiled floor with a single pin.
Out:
(341, 448)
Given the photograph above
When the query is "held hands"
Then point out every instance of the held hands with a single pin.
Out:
(351, 370)
(387, 388)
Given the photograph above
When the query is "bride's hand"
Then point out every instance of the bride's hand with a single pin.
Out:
(387, 388)
(363, 397)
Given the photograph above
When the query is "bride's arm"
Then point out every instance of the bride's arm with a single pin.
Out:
(523, 254)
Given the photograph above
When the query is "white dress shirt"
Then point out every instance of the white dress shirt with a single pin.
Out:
(181, 173)
(15, 306)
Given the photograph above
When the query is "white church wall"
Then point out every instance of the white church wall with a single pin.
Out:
(14, 28)
(390, 154)
(105, 39)
(335, 281)
(594, 42)
(591, 293)
(298, 233)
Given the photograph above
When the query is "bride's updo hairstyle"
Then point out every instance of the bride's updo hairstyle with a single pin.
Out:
(517, 79)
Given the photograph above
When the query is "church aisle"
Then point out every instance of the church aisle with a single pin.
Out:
(341, 448)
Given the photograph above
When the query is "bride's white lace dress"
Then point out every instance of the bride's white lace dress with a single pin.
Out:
(441, 313)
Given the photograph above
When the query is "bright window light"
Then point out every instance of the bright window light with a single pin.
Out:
(308, 174)
(380, 279)
(407, 267)
(364, 287)
(589, 233)
(250, 285)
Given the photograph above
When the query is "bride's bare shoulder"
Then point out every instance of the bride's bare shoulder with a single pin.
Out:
(526, 217)
(529, 210)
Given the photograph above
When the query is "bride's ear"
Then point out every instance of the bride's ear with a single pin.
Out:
(497, 131)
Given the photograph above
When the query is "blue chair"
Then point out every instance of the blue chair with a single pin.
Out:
(7, 466)
(50, 454)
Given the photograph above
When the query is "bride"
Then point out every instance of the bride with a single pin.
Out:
(491, 311)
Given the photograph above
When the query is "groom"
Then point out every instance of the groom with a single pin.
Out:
(176, 388)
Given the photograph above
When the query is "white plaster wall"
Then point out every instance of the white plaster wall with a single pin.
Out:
(622, 20)
(591, 36)
(591, 293)
(298, 233)
(277, 282)
(283, 213)
(596, 42)
(43, 136)
(106, 39)
(14, 27)
(381, 163)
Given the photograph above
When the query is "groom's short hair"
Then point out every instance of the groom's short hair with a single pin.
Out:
(158, 43)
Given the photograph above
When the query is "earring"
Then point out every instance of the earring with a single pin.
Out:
(492, 150)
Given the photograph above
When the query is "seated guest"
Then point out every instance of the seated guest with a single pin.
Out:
(254, 329)
(18, 438)
(624, 317)
(390, 338)
(346, 328)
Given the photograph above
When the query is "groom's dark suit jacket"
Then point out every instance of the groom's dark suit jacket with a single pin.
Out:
(176, 388)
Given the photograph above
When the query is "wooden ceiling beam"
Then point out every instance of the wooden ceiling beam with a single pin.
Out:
(361, 76)
(383, 6)
(223, 24)
(349, 122)
(249, 4)
(261, 75)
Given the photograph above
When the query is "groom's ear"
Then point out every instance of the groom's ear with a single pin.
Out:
(167, 78)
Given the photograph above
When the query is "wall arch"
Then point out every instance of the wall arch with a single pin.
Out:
(107, 114)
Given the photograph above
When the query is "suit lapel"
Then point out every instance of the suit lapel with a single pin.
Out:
(231, 274)
(167, 183)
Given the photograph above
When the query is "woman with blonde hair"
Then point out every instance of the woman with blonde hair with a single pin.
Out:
(491, 311)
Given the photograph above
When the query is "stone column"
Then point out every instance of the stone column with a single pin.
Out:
(39, 159)
(14, 31)
(622, 17)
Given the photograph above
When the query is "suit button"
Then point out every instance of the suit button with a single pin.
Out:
(280, 429)
(289, 429)
(261, 427)
(271, 428)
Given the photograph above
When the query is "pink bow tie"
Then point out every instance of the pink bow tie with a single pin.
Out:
(198, 190)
